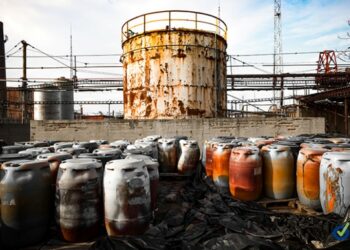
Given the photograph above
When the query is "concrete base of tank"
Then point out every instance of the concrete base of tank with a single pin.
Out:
(199, 129)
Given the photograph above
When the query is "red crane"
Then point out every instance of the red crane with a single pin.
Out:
(327, 62)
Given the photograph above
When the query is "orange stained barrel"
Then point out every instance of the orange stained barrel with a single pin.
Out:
(308, 171)
(279, 171)
(209, 148)
(245, 173)
(220, 163)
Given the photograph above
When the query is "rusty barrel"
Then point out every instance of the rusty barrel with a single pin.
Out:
(308, 172)
(167, 155)
(245, 173)
(279, 171)
(189, 156)
(79, 199)
(335, 182)
(149, 145)
(208, 150)
(25, 202)
(153, 172)
(220, 163)
(127, 198)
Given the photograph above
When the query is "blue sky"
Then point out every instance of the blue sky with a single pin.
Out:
(308, 25)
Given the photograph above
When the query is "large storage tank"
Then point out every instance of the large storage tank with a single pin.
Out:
(174, 65)
(55, 102)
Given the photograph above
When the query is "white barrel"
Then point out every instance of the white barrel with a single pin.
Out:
(335, 182)
(127, 197)
(189, 157)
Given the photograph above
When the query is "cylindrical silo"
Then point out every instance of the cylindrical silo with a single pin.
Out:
(174, 65)
(55, 102)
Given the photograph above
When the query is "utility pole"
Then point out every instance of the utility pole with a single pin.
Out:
(3, 92)
(277, 54)
(24, 83)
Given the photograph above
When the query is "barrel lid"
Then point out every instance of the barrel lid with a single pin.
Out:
(191, 143)
(125, 164)
(251, 149)
(54, 156)
(10, 157)
(149, 161)
(313, 151)
(81, 163)
(107, 151)
(24, 164)
(275, 147)
(166, 140)
(338, 156)
(99, 142)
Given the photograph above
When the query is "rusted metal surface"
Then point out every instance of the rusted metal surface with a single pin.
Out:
(167, 155)
(14, 107)
(279, 171)
(25, 202)
(245, 173)
(79, 199)
(220, 164)
(308, 172)
(172, 73)
(127, 198)
(335, 182)
(189, 156)
(153, 172)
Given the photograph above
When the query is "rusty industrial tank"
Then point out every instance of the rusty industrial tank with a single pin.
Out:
(308, 172)
(335, 182)
(127, 198)
(245, 173)
(153, 172)
(25, 202)
(79, 199)
(167, 155)
(174, 65)
(189, 156)
(220, 164)
(279, 171)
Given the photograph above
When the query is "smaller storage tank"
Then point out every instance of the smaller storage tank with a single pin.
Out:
(279, 171)
(220, 163)
(127, 197)
(79, 199)
(25, 202)
(245, 173)
(189, 156)
(335, 182)
(308, 172)
(55, 102)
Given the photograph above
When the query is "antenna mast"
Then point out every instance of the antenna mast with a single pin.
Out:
(71, 54)
(277, 54)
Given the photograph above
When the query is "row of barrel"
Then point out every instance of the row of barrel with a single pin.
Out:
(83, 185)
(175, 154)
(316, 169)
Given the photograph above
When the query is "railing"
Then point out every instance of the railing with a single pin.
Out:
(172, 20)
